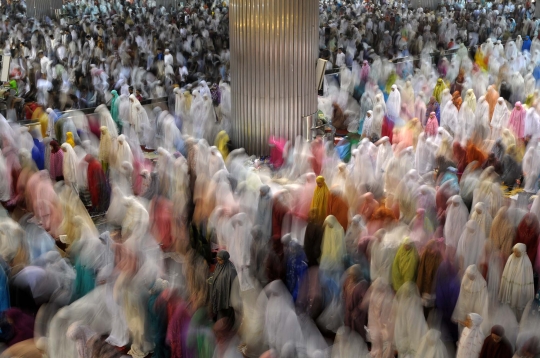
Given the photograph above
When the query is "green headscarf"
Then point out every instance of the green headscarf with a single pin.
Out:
(405, 264)
(115, 113)
(390, 82)
(438, 90)
(13, 85)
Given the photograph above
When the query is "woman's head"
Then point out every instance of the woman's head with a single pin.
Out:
(222, 257)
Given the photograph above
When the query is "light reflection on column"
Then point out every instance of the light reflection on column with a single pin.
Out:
(274, 49)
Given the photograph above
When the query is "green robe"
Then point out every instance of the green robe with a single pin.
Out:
(115, 112)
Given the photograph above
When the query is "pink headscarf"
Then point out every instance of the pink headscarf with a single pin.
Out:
(432, 125)
(364, 74)
(517, 121)
(276, 151)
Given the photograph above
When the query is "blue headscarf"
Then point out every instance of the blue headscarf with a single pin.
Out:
(526, 44)
(536, 73)
(4, 287)
(447, 290)
(38, 154)
(296, 267)
(535, 306)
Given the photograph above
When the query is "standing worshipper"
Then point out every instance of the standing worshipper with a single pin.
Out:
(457, 100)
(449, 117)
(264, 212)
(432, 107)
(430, 260)
(492, 97)
(457, 216)
(410, 324)
(38, 154)
(240, 249)
(221, 287)
(333, 248)
(107, 120)
(105, 148)
(502, 233)
(138, 119)
(473, 295)
(319, 204)
(392, 114)
(56, 161)
(354, 290)
(393, 104)
(337, 206)
(69, 166)
(405, 264)
(499, 118)
(471, 245)
(97, 185)
(516, 123)
(379, 300)
(420, 109)
(496, 345)
(432, 125)
(517, 283)
(438, 90)
(313, 239)
(446, 295)
(296, 264)
(115, 110)
(472, 339)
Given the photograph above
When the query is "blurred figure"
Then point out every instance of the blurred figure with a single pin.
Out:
(517, 284)
(221, 285)
(472, 339)
(319, 204)
(354, 291)
(496, 345)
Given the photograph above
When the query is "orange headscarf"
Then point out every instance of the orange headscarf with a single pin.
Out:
(338, 207)
(491, 98)
(475, 154)
(456, 99)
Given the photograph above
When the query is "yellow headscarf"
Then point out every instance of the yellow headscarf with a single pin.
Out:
(221, 144)
(44, 122)
(39, 115)
(438, 90)
(189, 98)
(333, 245)
(530, 100)
(319, 204)
(69, 139)
(390, 82)
(405, 264)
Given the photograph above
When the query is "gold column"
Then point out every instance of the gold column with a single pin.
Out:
(274, 51)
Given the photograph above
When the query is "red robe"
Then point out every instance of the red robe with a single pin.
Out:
(97, 184)
(528, 231)
(161, 219)
(388, 128)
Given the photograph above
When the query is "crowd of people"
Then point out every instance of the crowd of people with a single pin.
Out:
(96, 53)
(140, 231)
